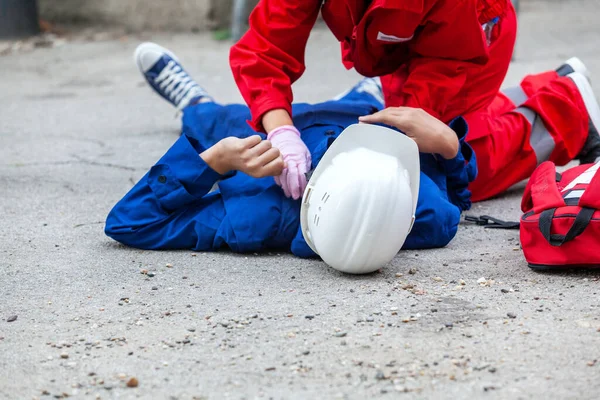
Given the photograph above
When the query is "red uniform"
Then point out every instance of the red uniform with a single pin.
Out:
(546, 121)
(430, 54)
(513, 132)
(431, 50)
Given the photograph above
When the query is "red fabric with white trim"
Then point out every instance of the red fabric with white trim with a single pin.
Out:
(500, 135)
(541, 195)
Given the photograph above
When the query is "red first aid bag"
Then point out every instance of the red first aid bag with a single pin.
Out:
(560, 227)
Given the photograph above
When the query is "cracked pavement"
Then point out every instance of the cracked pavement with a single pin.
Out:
(78, 127)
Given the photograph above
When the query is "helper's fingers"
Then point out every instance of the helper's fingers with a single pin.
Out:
(283, 182)
(373, 118)
(387, 111)
(381, 116)
(293, 180)
(306, 167)
(396, 118)
(302, 182)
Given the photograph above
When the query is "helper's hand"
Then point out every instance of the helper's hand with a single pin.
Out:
(296, 157)
(431, 134)
(252, 155)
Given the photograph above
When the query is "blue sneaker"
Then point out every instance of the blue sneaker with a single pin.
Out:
(371, 86)
(164, 73)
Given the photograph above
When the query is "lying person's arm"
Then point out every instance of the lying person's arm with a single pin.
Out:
(461, 170)
(443, 193)
(170, 208)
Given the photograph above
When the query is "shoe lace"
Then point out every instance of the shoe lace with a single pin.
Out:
(177, 84)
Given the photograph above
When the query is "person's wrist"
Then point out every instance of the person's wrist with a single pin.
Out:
(274, 119)
(215, 158)
(450, 144)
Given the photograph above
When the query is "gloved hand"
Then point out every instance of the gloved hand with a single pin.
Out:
(296, 157)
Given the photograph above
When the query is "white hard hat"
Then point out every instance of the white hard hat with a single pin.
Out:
(359, 205)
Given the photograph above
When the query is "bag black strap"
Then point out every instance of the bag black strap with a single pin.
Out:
(492, 223)
(582, 220)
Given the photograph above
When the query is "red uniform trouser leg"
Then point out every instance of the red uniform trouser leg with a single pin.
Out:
(543, 119)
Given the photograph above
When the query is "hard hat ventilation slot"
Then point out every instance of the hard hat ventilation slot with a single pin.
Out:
(308, 194)
(325, 197)
(317, 220)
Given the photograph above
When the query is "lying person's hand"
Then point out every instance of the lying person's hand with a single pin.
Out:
(431, 134)
(252, 155)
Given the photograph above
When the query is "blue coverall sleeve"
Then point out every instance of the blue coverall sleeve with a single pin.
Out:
(170, 208)
(443, 194)
(461, 170)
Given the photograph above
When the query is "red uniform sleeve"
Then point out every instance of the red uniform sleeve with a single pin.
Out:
(432, 84)
(270, 56)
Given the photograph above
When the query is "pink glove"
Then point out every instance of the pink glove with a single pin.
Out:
(296, 157)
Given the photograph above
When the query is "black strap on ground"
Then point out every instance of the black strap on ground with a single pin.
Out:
(582, 220)
(491, 222)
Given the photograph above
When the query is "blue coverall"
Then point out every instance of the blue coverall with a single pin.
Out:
(172, 206)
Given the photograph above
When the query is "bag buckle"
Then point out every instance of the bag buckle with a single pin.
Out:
(491, 222)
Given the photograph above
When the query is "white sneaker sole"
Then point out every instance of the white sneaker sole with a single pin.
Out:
(589, 99)
(578, 66)
(149, 46)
